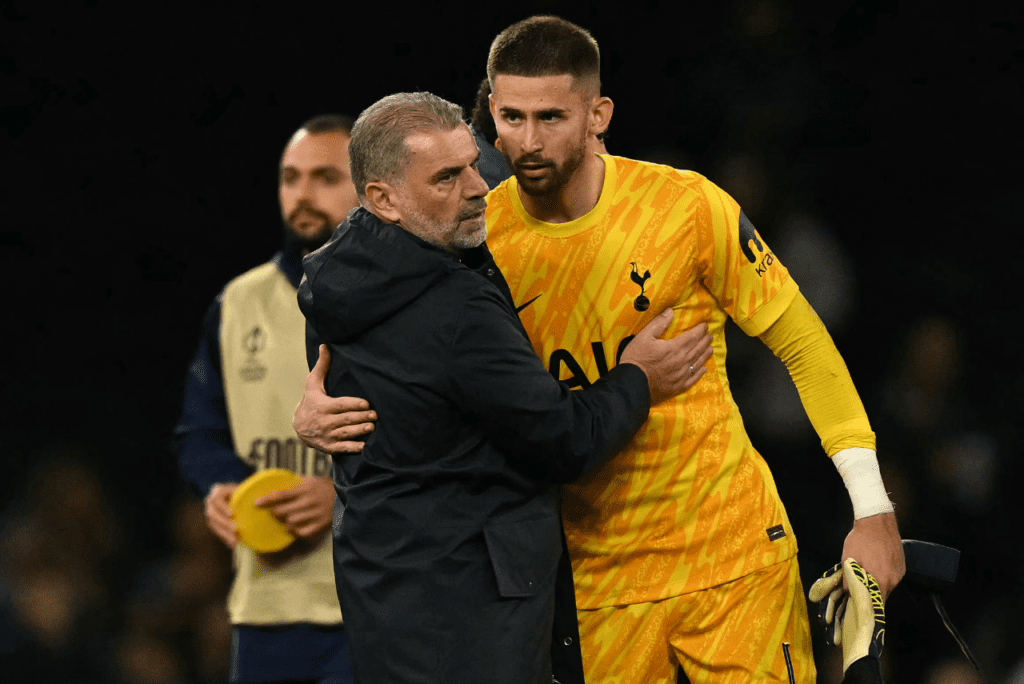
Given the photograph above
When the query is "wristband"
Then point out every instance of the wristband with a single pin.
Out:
(859, 469)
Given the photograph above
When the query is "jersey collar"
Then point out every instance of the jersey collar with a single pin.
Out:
(570, 228)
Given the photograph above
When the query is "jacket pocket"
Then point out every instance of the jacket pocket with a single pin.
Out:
(524, 554)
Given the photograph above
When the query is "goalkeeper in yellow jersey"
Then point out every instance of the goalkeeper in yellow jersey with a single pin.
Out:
(682, 551)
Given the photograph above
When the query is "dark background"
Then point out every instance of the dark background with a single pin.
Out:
(139, 175)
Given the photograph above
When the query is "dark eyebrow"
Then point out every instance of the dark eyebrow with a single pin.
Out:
(551, 111)
(322, 171)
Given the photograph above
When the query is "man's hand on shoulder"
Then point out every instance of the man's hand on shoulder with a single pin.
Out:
(672, 366)
(327, 423)
(875, 544)
(219, 515)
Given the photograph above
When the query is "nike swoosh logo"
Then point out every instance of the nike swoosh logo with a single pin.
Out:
(519, 309)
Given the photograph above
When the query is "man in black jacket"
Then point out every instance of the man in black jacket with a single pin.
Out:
(447, 554)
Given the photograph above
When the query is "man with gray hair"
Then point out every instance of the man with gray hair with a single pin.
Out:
(447, 554)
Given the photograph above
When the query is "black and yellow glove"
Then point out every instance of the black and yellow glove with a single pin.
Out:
(829, 586)
(854, 618)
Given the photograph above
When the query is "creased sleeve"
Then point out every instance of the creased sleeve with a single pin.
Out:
(532, 418)
(740, 270)
(800, 340)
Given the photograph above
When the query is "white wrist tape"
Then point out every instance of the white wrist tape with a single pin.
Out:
(859, 469)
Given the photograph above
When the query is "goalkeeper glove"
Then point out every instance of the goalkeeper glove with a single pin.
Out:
(829, 586)
(853, 620)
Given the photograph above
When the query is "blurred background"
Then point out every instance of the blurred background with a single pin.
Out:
(876, 147)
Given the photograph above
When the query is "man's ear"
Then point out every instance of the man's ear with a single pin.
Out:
(600, 114)
(380, 200)
(497, 140)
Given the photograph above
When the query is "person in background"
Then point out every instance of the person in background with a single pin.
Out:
(242, 387)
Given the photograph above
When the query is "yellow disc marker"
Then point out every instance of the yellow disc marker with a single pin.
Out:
(257, 527)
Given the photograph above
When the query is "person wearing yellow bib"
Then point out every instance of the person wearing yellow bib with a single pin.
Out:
(241, 390)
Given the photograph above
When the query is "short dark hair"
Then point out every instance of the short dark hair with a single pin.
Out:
(319, 124)
(377, 150)
(328, 123)
(546, 46)
(481, 117)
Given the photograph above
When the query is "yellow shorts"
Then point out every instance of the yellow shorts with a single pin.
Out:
(751, 629)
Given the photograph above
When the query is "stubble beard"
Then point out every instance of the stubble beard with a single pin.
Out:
(558, 176)
(447, 236)
(307, 239)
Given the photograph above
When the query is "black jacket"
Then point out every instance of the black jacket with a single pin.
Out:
(447, 553)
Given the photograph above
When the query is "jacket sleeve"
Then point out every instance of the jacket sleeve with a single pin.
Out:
(313, 342)
(202, 437)
(537, 422)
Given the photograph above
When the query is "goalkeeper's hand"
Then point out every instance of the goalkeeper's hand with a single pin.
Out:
(853, 619)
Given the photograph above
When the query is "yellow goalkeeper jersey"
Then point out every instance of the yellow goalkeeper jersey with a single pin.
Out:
(689, 504)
